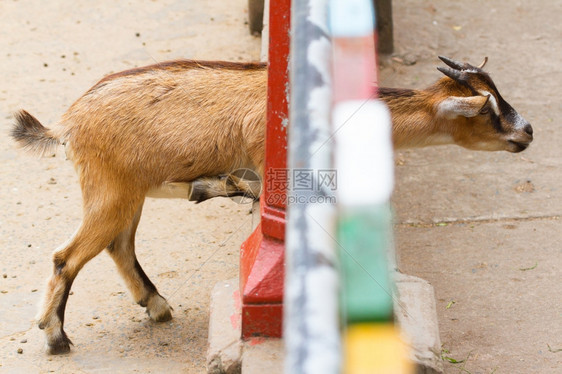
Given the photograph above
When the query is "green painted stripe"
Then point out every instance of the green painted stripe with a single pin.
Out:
(364, 238)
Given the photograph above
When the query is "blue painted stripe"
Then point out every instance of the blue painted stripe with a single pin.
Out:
(351, 18)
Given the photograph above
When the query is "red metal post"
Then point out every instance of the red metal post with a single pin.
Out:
(262, 254)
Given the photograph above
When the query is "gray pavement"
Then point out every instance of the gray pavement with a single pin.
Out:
(484, 228)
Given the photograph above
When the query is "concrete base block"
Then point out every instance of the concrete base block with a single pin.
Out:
(227, 353)
(416, 314)
(224, 353)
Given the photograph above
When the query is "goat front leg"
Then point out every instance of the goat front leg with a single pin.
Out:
(243, 183)
(103, 220)
(122, 250)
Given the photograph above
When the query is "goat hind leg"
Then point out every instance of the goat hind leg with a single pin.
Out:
(67, 262)
(100, 225)
(122, 250)
(51, 317)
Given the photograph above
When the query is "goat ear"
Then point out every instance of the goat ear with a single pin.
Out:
(455, 106)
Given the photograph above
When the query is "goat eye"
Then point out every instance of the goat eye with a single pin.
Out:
(485, 110)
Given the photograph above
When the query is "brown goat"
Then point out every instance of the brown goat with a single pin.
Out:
(170, 129)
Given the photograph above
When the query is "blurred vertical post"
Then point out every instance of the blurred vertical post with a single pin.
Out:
(311, 328)
(385, 28)
(364, 161)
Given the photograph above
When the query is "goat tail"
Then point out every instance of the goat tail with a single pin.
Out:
(30, 134)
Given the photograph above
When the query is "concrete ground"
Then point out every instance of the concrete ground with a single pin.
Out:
(50, 54)
(483, 228)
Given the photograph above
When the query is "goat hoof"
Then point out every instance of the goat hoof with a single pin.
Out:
(164, 317)
(59, 345)
(158, 309)
(198, 192)
(58, 349)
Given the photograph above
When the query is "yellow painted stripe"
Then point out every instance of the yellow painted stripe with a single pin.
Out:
(375, 349)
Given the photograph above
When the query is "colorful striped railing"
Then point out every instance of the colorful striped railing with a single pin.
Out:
(333, 97)
(364, 161)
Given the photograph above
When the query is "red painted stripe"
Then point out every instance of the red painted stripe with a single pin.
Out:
(355, 68)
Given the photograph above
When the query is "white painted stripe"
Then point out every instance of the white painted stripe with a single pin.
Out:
(363, 153)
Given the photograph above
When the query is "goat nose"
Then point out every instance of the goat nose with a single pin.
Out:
(528, 129)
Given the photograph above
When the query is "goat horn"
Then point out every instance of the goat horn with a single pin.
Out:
(452, 63)
(483, 63)
(453, 74)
